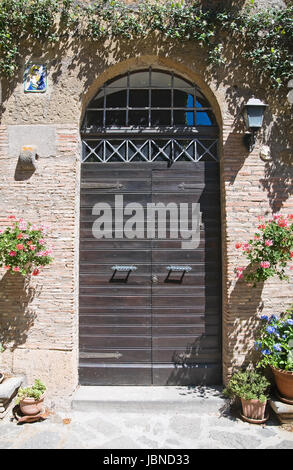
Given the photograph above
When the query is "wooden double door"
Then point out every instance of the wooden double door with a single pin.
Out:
(150, 309)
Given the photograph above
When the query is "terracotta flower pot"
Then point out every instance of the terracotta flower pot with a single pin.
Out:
(30, 406)
(253, 409)
(284, 382)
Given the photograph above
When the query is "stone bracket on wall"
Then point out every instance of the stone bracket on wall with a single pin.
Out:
(28, 157)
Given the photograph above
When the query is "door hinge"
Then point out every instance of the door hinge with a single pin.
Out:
(102, 185)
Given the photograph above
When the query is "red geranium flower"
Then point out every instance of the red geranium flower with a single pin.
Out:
(282, 223)
(265, 264)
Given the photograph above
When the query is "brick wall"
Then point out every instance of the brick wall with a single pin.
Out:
(38, 318)
(244, 189)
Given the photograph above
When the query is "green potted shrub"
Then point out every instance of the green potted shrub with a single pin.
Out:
(30, 399)
(252, 388)
(275, 345)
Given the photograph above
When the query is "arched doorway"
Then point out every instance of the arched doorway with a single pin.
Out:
(150, 257)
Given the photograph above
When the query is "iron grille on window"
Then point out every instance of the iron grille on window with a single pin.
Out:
(149, 150)
(152, 106)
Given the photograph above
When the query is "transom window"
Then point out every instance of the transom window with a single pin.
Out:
(149, 102)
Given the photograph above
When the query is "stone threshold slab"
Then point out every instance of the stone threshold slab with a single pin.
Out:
(139, 398)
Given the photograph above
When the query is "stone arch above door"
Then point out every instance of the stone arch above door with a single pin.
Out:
(156, 62)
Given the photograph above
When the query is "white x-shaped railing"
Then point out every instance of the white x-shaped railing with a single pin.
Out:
(150, 150)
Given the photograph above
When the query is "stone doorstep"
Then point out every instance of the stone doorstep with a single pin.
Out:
(283, 411)
(8, 390)
(146, 398)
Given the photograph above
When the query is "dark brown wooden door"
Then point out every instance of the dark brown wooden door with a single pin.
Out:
(150, 326)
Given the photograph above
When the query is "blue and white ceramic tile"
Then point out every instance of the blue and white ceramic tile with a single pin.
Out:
(35, 78)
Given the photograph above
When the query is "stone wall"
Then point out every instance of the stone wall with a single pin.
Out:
(39, 318)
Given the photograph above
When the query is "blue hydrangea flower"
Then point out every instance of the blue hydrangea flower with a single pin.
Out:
(264, 317)
(271, 329)
(257, 345)
(277, 347)
(273, 318)
(266, 351)
(289, 321)
(284, 336)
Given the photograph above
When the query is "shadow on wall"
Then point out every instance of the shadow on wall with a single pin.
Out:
(221, 4)
(21, 174)
(16, 317)
(236, 162)
(244, 327)
(278, 181)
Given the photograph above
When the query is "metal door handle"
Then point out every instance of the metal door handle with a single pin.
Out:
(124, 268)
(179, 268)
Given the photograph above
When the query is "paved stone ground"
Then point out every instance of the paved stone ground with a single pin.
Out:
(168, 430)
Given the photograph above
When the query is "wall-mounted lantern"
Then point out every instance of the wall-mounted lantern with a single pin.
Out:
(253, 114)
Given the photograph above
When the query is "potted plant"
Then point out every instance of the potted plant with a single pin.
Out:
(30, 399)
(275, 345)
(252, 388)
(23, 247)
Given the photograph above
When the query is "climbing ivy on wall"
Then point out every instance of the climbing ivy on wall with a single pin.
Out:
(264, 38)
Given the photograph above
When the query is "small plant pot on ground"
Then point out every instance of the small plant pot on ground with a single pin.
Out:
(31, 406)
(253, 411)
(252, 387)
(31, 399)
(284, 383)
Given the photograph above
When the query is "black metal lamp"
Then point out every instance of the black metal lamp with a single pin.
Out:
(253, 114)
